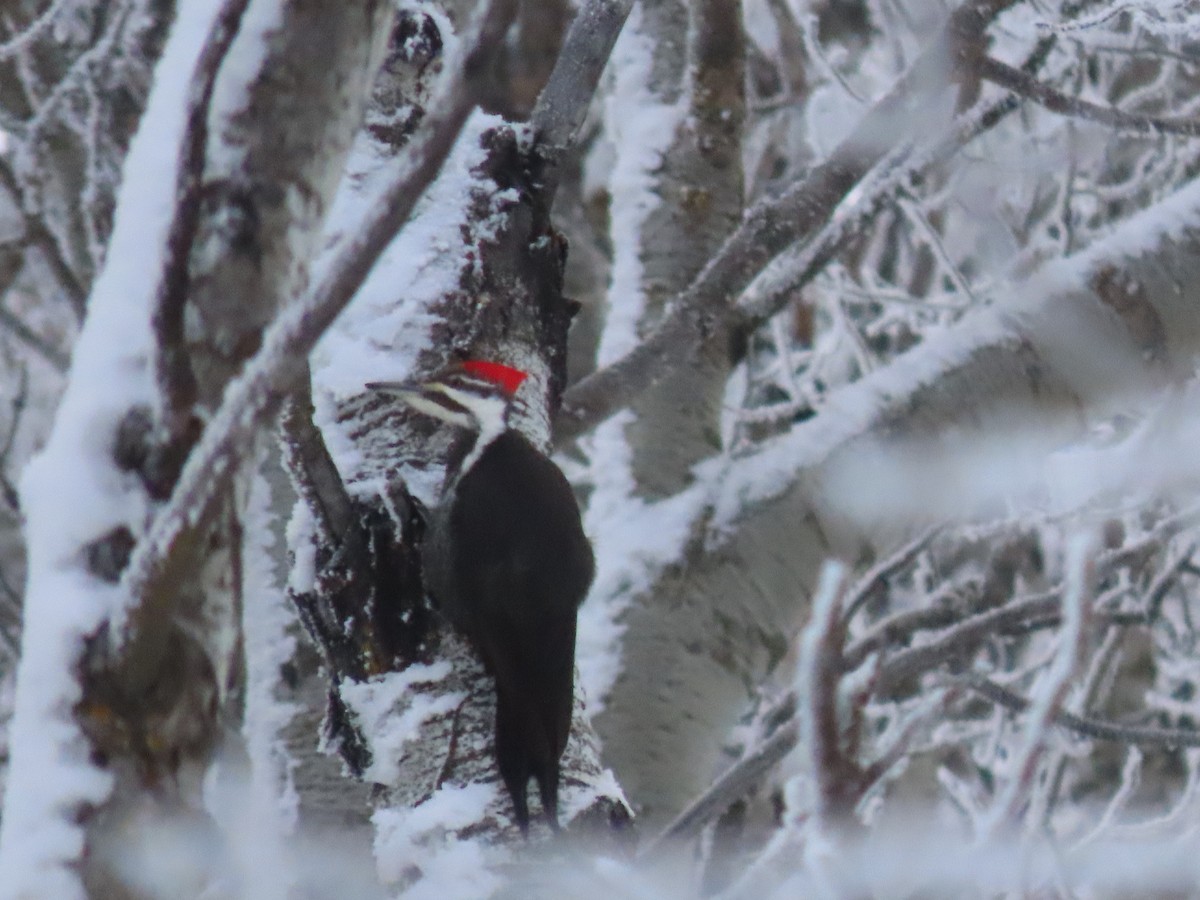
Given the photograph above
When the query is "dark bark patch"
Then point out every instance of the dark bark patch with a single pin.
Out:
(108, 556)
(1127, 297)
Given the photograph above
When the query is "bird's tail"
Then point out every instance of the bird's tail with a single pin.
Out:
(524, 751)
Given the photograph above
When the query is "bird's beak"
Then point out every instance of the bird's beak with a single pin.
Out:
(407, 391)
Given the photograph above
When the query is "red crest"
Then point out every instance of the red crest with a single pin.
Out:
(505, 377)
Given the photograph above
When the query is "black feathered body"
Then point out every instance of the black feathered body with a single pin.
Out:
(509, 564)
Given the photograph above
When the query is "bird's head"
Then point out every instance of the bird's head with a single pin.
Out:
(474, 395)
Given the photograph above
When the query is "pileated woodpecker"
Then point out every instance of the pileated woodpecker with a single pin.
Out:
(507, 561)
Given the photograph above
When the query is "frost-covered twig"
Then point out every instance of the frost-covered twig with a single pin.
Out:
(1042, 610)
(31, 32)
(1096, 680)
(736, 781)
(26, 335)
(40, 236)
(952, 643)
(1026, 85)
(1180, 816)
(875, 579)
(1110, 11)
(1127, 786)
(915, 214)
(81, 69)
(1085, 726)
(1051, 690)
(16, 411)
(769, 294)
(1164, 581)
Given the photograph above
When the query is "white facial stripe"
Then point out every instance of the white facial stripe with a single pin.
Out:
(488, 410)
(423, 404)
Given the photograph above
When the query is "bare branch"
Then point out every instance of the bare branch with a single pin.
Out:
(33, 340)
(311, 467)
(1027, 86)
(41, 237)
(1084, 726)
(876, 578)
(564, 101)
(735, 782)
(820, 652)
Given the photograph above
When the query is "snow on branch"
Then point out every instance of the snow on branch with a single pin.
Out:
(259, 392)
(71, 494)
(1055, 321)
(766, 230)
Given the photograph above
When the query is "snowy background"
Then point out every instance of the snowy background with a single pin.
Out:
(880, 406)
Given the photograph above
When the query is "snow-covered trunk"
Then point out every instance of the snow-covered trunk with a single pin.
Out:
(672, 207)
(225, 194)
(697, 188)
(497, 295)
(477, 272)
(71, 94)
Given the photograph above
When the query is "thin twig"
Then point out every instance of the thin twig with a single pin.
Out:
(733, 784)
(1164, 581)
(899, 628)
(32, 31)
(966, 634)
(1039, 610)
(1180, 816)
(1130, 781)
(1085, 726)
(1094, 682)
(1027, 86)
(41, 237)
(1052, 688)
(47, 351)
(876, 577)
(7, 490)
